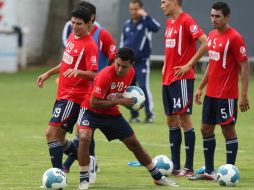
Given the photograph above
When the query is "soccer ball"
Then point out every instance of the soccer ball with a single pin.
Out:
(137, 95)
(164, 164)
(228, 175)
(54, 178)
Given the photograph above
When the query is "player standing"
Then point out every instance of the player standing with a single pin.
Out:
(100, 110)
(181, 55)
(227, 58)
(77, 68)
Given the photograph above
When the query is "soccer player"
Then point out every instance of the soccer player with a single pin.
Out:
(77, 68)
(182, 33)
(227, 58)
(137, 34)
(100, 110)
(107, 52)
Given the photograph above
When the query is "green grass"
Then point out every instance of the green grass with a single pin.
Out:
(25, 111)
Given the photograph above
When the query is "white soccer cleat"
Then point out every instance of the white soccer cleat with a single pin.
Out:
(92, 170)
(166, 182)
(83, 185)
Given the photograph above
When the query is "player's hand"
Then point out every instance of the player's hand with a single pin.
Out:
(181, 70)
(244, 104)
(71, 73)
(197, 97)
(40, 80)
(142, 12)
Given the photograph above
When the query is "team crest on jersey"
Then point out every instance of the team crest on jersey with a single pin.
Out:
(93, 60)
(98, 90)
(170, 43)
(193, 28)
(67, 58)
(243, 50)
(127, 29)
(113, 85)
(85, 123)
(140, 26)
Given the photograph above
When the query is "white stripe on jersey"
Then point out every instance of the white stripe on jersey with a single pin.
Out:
(79, 59)
(180, 40)
(143, 40)
(225, 55)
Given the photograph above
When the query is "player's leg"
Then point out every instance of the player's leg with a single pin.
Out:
(143, 79)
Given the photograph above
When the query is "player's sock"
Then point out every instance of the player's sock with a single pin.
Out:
(189, 137)
(155, 173)
(92, 146)
(56, 154)
(70, 149)
(84, 176)
(175, 139)
(70, 159)
(231, 147)
(209, 144)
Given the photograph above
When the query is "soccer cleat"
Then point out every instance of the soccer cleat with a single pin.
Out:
(83, 185)
(149, 119)
(134, 120)
(92, 170)
(186, 172)
(166, 182)
(205, 176)
(176, 172)
(200, 170)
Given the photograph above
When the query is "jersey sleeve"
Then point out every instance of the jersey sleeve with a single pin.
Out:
(101, 85)
(152, 24)
(91, 57)
(108, 45)
(193, 28)
(239, 49)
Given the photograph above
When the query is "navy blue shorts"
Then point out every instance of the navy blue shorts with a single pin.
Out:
(65, 114)
(178, 97)
(113, 127)
(219, 111)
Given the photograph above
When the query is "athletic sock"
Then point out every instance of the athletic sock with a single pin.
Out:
(70, 149)
(175, 139)
(56, 154)
(70, 159)
(231, 150)
(189, 137)
(155, 173)
(84, 176)
(209, 144)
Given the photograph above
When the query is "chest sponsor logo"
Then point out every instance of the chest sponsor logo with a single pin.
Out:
(114, 96)
(243, 50)
(213, 55)
(193, 28)
(170, 43)
(67, 58)
(113, 85)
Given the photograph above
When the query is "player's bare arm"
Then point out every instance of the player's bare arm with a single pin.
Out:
(202, 84)
(181, 70)
(102, 103)
(89, 75)
(46, 75)
(244, 101)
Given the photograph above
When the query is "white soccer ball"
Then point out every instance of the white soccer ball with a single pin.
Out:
(137, 95)
(228, 175)
(164, 164)
(54, 178)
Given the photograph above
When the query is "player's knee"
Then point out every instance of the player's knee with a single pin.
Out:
(206, 131)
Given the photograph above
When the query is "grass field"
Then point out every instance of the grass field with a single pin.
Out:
(24, 113)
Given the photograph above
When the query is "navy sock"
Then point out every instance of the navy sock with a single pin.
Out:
(92, 146)
(70, 159)
(56, 154)
(189, 137)
(84, 176)
(155, 173)
(70, 149)
(231, 148)
(209, 144)
(175, 139)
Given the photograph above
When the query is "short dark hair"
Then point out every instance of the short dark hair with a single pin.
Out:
(126, 54)
(82, 13)
(137, 1)
(222, 6)
(179, 2)
(89, 6)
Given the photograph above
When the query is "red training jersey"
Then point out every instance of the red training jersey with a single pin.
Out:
(108, 86)
(106, 43)
(180, 46)
(80, 53)
(226, 52)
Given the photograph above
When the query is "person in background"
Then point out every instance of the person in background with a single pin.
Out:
(137, 35)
